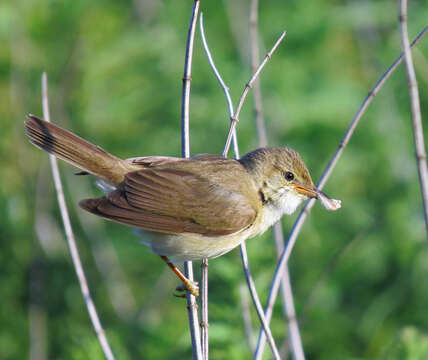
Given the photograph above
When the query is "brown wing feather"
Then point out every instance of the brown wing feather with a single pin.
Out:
(151, 161)
(172, 199)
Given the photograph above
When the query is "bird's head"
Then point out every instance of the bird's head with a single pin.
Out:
(283, 179)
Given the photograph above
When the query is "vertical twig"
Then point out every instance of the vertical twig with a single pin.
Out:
(70, 238)
(224, 87)
(204, 309)
(187, 78)
(235, 117)
(246, 315)
(296, 346)
(418, 133)
(105, 256)
(185, 150)
(244, 256)
(256, 301)
(254, 61)
(273, 292)
(107, 262)
(36, 310)
(286, 289)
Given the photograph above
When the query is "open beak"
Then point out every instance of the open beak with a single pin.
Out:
(328, 203)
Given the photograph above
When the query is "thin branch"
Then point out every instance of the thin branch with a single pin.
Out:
(256, 301)
(37, 334)
(286, 289)
(336, 258)
(235, 118)
(187, 78)
(204, 309)
(246, 315)
(71, 241)
(224, 87)
(273, 292)
(185, 150)
(106, 259)
(418, 133)
(254, 60)
(296, 346)
(244, 256)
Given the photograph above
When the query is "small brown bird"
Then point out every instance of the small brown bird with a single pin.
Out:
(189, 209)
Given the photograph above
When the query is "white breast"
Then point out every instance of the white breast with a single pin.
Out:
(287, 203)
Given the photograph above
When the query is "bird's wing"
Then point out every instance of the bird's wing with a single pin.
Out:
(154, 161)
(151, 161)
(173, 200)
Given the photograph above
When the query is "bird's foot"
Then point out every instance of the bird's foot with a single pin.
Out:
(190, 286)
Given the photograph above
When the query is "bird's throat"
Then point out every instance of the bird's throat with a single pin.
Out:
(273, 210)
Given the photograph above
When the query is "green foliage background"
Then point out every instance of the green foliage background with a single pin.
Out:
(115, 69)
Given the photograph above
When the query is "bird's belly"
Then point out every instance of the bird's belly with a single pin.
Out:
(192, 247)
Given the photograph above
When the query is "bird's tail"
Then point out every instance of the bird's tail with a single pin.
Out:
(75, 150)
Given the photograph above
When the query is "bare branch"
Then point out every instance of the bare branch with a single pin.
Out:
(37, 324)
(204, 309)
(254, 60)
(418, 133)
(273, 292)
(221, 82)
(185, 96)
(106, 259)
(244, 256)
(204, 284)
(246, 315)
(288, 306)
(287, 300)
(286, 289)
(235, 118)
(185, 152)
(71, 241)
(256, 301)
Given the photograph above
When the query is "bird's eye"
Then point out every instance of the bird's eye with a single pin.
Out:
(288, 176)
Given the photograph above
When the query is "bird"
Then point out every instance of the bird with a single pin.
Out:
(187, 209)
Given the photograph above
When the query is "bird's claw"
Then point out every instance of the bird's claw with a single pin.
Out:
(190, 286)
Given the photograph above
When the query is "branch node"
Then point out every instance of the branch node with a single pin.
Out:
(421, 157)
(192, 306)
(204, 324)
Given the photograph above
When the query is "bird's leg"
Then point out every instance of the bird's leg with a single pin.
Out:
(188, 285)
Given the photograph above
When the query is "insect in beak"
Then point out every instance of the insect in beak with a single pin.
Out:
(328, 203)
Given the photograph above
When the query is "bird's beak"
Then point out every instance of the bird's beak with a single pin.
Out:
(307, 191)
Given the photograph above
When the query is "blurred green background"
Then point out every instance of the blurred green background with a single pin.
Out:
(115, 70)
